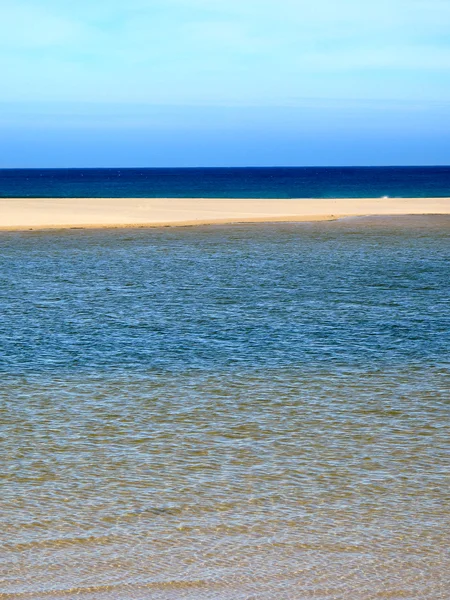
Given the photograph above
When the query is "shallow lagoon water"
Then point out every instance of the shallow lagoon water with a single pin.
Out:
(226, 412)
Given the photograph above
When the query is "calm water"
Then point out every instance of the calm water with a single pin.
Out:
(246, 412)
(346, 182)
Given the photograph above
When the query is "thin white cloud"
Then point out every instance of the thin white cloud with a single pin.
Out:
(24, 26)
(388, 58)
(224, 50)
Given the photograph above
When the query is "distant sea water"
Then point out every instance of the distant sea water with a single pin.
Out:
(336, 182)
(226, 412)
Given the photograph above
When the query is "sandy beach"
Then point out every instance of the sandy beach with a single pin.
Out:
(51, 213)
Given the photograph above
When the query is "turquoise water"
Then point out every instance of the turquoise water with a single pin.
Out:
(226, 412)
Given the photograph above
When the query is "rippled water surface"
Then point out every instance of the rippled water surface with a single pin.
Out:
(255, 412)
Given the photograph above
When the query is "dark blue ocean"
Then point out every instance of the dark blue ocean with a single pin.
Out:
(279, 182)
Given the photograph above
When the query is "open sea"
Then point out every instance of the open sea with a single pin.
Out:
(255, 412)
(277, 182)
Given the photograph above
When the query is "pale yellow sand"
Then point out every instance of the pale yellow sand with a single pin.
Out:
(44, 213)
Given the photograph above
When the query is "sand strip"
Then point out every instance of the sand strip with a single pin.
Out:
(63, 213)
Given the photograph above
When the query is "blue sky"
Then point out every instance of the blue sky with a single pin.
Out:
(224, 82)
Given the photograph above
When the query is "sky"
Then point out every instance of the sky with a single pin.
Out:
(224, 82)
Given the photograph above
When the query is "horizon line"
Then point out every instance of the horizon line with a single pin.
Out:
(198, 167)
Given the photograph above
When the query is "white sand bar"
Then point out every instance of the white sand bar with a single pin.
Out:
(51, 213)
